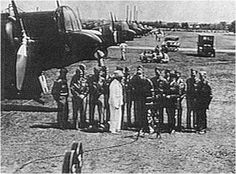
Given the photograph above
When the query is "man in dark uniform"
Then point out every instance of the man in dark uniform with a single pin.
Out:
(107, 82)
(181, 84)
(96, 95)
(204, 98)
(167, 75)
(141, 89)
(127, 95)
(160, 88)
(79, 89)
(60, 94)
(191, 92)
(171, 100)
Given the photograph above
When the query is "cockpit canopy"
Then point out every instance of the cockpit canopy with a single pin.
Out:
(67, 20)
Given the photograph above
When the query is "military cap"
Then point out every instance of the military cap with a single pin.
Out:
(157, 71)
(95, 70)
(178, 74)
(193, 72)
(167, 71)
(140, 67)
(78, 70)
(139, 71)
(203, 73)
(173, 73)
(127, 69)
(63, 71)
(118, 73)
(82, 67)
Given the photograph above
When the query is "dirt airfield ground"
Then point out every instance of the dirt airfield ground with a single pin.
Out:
(30, 142)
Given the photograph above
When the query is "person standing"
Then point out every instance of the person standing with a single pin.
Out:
(127, 95)
(106, 92)
(123, 47)
(204, 97)
(160, 87)
(96, 95)
(181, 85)
(171, 100)
(116, 102)
(142, 88)
(191, 92)
(79, 89)
(60, 93)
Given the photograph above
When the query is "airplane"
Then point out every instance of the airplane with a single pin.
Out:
(34, 42)
(139, 28)
(133, 25)
(115, 32)
(124, 33)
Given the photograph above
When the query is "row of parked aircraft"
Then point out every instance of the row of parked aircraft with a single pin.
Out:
(33, 42)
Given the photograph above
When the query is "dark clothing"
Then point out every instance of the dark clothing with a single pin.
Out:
(60, 94)
(96, 97)
(79, 89)
(171, 103)
(160, 87)
(181, 85)
(203, 100)
(127, 99)
(106, 97)
(141, 89)
(191, 94)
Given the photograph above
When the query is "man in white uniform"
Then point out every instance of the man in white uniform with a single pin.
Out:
(116, 102)
(123, 47)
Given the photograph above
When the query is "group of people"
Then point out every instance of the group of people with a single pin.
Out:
(115, 95)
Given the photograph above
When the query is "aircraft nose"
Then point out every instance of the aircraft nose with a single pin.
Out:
(92, 38)
(132, 31)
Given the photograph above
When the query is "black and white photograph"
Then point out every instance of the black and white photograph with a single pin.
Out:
(126, 86)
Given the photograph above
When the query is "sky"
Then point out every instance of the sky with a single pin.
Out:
(201, 11)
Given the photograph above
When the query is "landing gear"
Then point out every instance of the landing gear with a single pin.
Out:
(73, 160)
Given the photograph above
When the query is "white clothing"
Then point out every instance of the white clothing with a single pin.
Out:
(115, 101)
(115, 36)
(123, 46)
(122, 49)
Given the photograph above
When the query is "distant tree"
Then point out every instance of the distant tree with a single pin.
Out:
(232, 27)
(184, 25)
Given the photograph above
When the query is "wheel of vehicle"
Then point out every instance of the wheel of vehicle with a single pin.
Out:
(75, 146)
(66, 163)
(213, 53)
(80, 155)
(78, 148)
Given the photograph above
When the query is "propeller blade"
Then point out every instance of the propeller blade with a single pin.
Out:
(58, 4)
(127, 14)
(112, 20)
(21, 62)
(79, 18)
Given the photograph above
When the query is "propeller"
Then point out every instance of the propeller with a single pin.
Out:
(127, 14)
(58, 4)
(79, 18)
(21, 62)
(112, 20)
(22, 57)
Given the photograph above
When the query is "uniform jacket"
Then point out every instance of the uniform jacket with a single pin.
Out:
(204, 94)
(79, 87)
(60, 88)
(160, 85)
(96, 86)
(191, 88)
(141, 87)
